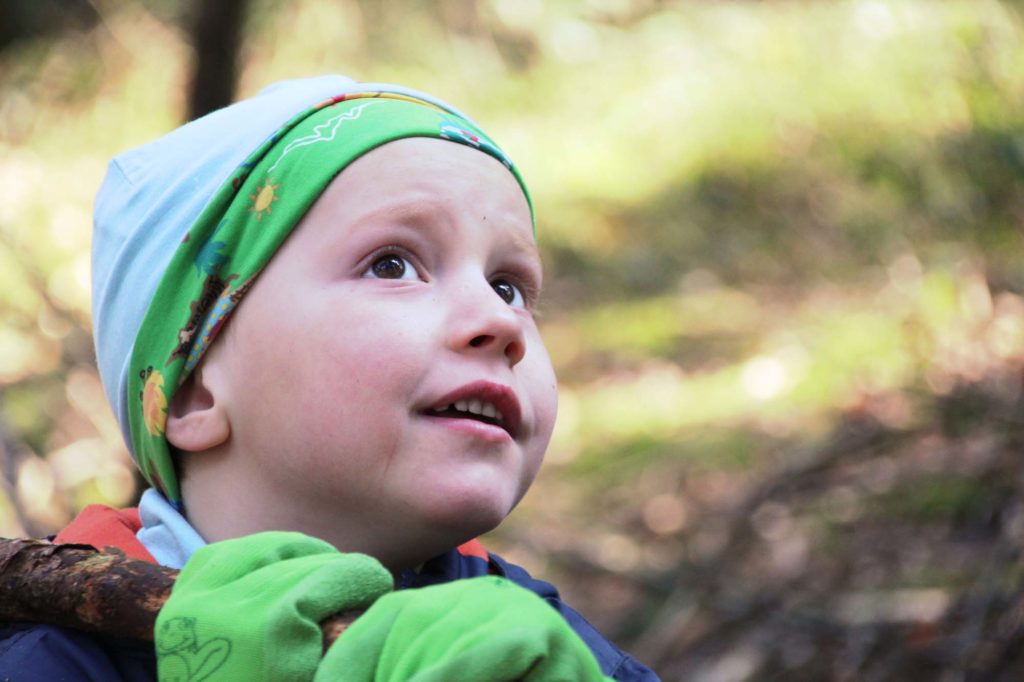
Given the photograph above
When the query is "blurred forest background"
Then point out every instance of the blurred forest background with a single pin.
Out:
(785, 296)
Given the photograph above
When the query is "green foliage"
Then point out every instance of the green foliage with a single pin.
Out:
(937, 499)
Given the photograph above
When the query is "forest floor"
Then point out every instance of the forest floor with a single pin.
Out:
(882, 554)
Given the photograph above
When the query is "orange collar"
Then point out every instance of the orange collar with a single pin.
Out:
(102, 526)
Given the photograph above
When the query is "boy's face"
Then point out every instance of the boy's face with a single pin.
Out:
(407, 288)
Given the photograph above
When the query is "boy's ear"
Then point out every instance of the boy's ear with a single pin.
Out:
(197, 420)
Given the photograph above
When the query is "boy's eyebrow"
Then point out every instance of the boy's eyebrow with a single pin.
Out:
(405, 208)
(527, 244)
(413, 211)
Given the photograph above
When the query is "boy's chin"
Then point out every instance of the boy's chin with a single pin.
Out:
(465, 514)
(436, 530)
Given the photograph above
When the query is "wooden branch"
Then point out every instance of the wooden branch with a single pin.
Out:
(80, 587)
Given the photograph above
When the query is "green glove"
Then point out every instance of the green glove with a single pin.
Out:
(480, 629)
(249, 608)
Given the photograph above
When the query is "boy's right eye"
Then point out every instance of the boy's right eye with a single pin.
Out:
(391, 266)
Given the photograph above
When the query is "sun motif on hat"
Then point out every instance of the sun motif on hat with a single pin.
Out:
(265, 195)
(154, 402)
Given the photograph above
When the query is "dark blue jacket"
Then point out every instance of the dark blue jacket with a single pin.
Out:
(43, 653)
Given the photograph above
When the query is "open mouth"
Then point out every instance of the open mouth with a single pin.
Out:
(482, 401)
(480, 410)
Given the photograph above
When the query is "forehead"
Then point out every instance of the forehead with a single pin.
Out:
(424, 175)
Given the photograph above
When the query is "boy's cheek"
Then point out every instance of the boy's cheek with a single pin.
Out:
(545, 386)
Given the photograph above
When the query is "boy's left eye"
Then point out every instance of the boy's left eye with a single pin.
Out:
(392, 266)
(509, 293)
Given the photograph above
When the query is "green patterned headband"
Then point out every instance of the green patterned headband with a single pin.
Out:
(239, 231)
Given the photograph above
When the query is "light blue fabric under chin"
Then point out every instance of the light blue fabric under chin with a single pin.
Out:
(168, 535)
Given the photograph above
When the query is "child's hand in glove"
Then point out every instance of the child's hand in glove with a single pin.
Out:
(250, 608)
(479, 630)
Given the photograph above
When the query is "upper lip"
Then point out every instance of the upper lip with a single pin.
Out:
(502, 397)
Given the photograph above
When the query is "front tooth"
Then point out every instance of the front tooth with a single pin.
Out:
(497, 415)
(462, 405)
(476, 406)
(489, 410)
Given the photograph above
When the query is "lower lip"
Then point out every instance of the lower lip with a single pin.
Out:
(472, 427)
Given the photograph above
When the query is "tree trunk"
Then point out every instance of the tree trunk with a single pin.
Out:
(216, 36)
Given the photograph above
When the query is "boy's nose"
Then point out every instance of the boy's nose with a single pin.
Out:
(481, 322)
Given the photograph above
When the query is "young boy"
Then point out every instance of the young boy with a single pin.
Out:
(313, 318)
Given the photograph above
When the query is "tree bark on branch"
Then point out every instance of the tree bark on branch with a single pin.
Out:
(80, 587)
